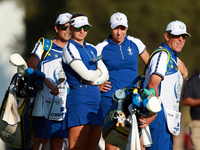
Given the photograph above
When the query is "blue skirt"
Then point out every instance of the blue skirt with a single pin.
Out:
(83, 106)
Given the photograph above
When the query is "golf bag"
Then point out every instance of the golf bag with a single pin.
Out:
(122, 118)
(20, 96)
(113, 133)
(20, 134)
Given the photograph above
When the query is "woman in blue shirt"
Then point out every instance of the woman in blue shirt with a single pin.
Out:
(120, 55)
(84, 74)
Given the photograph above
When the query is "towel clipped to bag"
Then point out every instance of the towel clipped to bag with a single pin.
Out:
(133, 137)
(11, 114)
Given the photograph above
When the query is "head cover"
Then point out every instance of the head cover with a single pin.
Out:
(63, 18)
(79, 21)
(176, 28)
(118, 19)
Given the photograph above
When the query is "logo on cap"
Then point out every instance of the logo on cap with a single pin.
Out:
(181, 26)
(67, 16)
(119, 18)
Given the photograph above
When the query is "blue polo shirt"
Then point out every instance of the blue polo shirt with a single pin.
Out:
(121, 61)
(78, 52)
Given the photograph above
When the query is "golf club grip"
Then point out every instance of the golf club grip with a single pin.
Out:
(40, 148)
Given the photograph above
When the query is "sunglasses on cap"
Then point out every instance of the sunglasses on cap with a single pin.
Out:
(85, 28)
(63, 27)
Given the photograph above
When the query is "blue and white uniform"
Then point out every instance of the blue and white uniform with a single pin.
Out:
(167, 121)
(122, 64)
(83, 101)
(52, 67)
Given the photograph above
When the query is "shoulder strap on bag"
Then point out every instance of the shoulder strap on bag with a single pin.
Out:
(46, 47)
(169, 60)
(137, 79)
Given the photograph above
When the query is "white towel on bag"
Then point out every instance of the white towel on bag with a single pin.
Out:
(133, 137)
(11, 114)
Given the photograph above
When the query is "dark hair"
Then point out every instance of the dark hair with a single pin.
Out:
(77, 15)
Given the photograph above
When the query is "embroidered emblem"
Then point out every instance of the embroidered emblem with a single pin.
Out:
(130, 51)
(119, 18)
(181, 26)
(67, 15)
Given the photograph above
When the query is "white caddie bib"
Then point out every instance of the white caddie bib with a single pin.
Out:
(171, 100)
(173, 121)
(58, 109)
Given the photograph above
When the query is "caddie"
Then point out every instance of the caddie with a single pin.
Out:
(165, 73)
(55, 88)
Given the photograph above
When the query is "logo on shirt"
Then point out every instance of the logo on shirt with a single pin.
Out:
(130, 51)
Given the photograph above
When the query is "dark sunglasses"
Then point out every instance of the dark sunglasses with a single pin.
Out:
(85, 28)
(63, 27)
(184, 36)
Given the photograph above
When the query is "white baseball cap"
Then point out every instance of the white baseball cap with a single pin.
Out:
(118, 19)
(63, 18)
(176, 28)
(79, 21)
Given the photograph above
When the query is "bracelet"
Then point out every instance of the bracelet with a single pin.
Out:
(185, 79)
